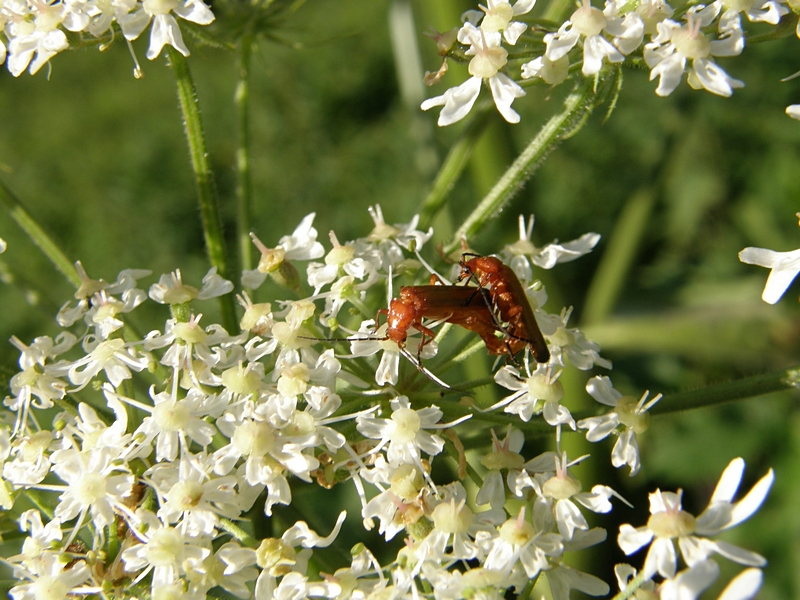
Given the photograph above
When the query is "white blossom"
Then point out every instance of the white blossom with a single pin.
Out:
(676, 44)
(668, 521)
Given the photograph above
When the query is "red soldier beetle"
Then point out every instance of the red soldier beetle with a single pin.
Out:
(459, 305)
(509, 299)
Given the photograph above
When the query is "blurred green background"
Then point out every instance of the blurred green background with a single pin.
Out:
(680, 184)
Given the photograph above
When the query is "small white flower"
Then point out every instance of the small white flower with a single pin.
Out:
(405, 433)
(523, 252)
(172, 420)
(668, 521)
(757, 11)
(165, 28)
(539, 393)
(34, 35)
(550, 71)
(667, 54)
(499, 15)
(570, 343)
(526, 543)
(784, 267)
(166, 551)
(97, 482)
(629, 418)
(301, 245)
(113, 357)
(51, 578)
(488, 58)
(590, 23)
(560, 492)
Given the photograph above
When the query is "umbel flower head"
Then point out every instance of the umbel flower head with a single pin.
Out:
(198, 426)
(36, 30)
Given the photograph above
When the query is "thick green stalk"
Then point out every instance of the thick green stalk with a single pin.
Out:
(38, 236)
(741, 389)
(577, 107)
(244, 184)
(206, 191)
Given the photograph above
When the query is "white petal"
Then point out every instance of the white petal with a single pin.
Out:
(784, 265)
(762, 257)
(601, 389)
(740, 555)
(728, 482)
(569, 518)
(626, 452)
(565, 578)
(492, 491)
(165, 31)
(792, 110)
(713, 78)
(133, 24)
(669, 71)
(599, 428)
(630, 539)
(196, 12)
(744, 586)
(457, 101)
(595, 48)
(779, 281)
(559, 45)
(513, 31)
(508, 377)
(504, 91)
(661, 558)
(753, 500)
(523, 6)
(689, 584)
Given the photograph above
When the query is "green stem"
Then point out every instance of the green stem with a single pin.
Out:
(749, 387)
(577, 107)
(206, 192)
(633, 585)
(244, 184)
(240, 534)
(454, 164)
(37, 235)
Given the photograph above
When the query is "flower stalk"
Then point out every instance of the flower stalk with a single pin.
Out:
(206, 191)
(577, 107)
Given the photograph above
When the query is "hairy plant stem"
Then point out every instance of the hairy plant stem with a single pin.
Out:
(633, 585)
(741, 389)
(38, 236)
(577, 107)
(206, 191)
(239, 533)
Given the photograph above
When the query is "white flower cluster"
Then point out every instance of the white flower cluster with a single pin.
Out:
(677, 45)
(159, 446)
(33, 31)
